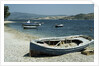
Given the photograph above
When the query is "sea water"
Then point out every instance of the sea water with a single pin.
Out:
(48, 29)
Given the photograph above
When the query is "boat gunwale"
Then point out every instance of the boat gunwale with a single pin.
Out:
(34, 42)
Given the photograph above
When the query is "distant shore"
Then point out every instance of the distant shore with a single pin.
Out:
(80, 16)
(18, 34)
(5, 22)
(16, 49)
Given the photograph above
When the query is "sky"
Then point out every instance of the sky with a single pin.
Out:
(52, 9)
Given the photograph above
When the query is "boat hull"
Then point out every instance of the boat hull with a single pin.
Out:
(51, 51)
(29, 27)
(61, 25)
(30, 24)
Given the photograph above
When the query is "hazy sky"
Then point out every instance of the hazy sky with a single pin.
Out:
(52, 9)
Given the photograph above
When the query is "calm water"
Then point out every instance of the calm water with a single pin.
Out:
(71, 27)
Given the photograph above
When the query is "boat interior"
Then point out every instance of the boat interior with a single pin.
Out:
(61, 43)
(66, 42)
(86, 37)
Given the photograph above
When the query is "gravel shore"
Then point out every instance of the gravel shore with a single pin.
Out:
(16, 49)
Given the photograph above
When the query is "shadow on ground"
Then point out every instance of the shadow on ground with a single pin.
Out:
(40, 55)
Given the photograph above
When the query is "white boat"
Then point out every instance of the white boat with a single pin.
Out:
(37, 23)
(29, 25)
(60, 25)
(59, 45)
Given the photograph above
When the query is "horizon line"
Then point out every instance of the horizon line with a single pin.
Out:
(52, 14)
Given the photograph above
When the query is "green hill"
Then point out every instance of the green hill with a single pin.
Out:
(89, 16)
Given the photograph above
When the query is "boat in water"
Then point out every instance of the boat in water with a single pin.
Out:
(37, 23)
(30, 25)
(60, 25)
(59, 45)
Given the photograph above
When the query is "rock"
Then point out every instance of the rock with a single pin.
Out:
(88, 52)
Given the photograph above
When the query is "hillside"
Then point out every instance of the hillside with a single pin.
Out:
(89, 16)
(18, 16)
(28, 16)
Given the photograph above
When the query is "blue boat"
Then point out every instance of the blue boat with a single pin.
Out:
(59, 45)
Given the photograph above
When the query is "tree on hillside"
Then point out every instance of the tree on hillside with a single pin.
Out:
(6, 11)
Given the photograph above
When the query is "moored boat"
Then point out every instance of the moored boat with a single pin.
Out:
(60, 25)
(37, 23)
(30, 25)
(59, 45)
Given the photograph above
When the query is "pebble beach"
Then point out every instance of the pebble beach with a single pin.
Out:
(16, 49)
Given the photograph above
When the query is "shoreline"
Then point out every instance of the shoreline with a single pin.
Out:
(16, 49)
(5, 22)
(18, 34)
